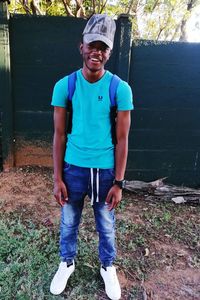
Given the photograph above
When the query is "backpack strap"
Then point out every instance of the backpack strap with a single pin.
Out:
(113, 89)
(113, 109)
(71, 88)
(71, 85)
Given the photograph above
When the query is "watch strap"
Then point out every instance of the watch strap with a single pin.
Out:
(119, 183)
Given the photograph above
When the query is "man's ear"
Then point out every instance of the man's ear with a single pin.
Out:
(81, 48)
(110, 54)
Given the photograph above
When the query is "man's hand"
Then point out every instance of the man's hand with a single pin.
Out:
(60, 192)
(114, 197)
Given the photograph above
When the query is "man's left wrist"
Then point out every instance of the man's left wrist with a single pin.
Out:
(119, 183)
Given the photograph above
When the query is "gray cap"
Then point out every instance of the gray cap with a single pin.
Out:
(100, 28)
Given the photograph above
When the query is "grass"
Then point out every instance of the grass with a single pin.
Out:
(29, 252)
(27, 256)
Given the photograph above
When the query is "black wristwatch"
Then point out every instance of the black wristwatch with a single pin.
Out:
(120, 183)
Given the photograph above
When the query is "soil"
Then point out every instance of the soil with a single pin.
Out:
(28, 191)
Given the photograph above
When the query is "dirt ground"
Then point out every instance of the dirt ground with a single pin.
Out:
(28, 191)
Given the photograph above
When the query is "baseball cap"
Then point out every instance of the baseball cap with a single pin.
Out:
(100, 27)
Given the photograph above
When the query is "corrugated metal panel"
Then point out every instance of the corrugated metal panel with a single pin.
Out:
(164, 139)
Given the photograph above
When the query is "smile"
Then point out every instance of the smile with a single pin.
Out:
(93, 59)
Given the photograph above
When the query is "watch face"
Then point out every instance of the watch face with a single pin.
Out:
(123, 184)
(120, 183)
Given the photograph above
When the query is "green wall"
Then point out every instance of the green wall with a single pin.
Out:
(165, 136)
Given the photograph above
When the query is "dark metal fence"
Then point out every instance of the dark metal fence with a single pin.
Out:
(164, 137)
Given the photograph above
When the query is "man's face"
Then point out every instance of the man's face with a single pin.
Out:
(95, 55)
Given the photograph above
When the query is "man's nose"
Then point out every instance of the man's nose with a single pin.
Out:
(98, 50)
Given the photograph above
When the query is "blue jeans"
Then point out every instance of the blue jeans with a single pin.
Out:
(78, 183)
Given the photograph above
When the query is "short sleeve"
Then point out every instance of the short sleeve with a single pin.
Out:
(60, 93)
(124, 97)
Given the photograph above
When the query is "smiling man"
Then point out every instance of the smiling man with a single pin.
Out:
(93, 160)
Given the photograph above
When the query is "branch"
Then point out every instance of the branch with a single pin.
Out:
(35, 9)
(183, 36)
(155, 4)
(25, 6)
(80, 11)
(160, 31)
(131, 9)
(93, 7)
(190, 6)
(157, 190)
(166, 23)
(175, 32)
(103, 6)
(67, 9)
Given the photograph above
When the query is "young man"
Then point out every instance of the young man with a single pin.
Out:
(90, 164)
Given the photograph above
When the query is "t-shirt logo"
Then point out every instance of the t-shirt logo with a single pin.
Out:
(100, 98)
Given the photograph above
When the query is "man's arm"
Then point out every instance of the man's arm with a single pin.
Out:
(122, 130)
(59, 144)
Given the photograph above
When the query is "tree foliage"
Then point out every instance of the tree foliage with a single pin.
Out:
(151, 19)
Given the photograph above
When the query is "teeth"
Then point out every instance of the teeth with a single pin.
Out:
(94, 59)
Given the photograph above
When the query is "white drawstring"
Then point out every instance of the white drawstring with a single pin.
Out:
(97, 185)
(92, 180)
(92, 183)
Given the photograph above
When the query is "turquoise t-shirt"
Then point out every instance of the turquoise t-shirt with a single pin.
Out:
(90, 143)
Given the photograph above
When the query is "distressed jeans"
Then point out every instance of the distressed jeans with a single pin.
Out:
(79, 184)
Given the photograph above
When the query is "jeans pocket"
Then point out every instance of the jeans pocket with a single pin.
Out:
(112, 172)
(106, 182)
(107, 174)
(66, 167)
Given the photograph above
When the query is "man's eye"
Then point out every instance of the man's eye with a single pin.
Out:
(92, 47)
(104, 49)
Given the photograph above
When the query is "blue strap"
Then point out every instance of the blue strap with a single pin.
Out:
(113, 88)
(71, 85)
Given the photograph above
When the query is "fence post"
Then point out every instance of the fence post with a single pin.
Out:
(123, 44)
(5, 88)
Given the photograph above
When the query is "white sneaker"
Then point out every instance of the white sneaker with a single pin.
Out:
(111, 282)
(61, 277)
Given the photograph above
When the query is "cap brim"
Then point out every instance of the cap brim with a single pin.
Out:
(89, 38)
